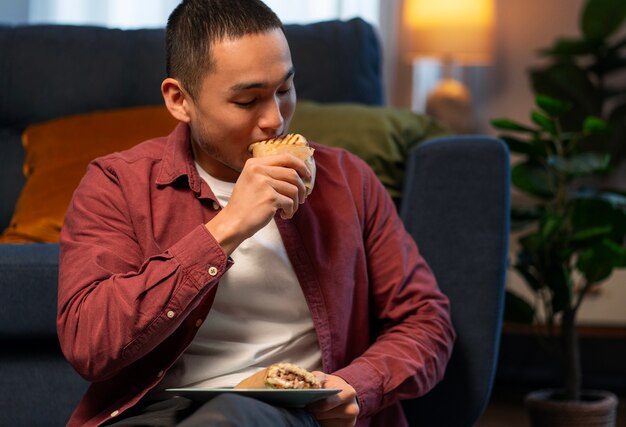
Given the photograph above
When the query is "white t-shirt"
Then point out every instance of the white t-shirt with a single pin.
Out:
(259, 315)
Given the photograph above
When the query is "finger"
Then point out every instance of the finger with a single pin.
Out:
(286, 205)
(321, 377)
(283, 167)
(297, 164)
(287, 198)
(285, 160)
(290, 176)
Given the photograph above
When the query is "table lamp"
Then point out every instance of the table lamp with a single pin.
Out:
(444, 36)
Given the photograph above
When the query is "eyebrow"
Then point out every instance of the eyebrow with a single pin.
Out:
(259, 85)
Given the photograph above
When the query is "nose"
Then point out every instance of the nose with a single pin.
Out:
(271, 119)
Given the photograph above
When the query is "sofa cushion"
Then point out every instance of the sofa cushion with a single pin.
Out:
(40, 387)
(58, 151)
(28, 277)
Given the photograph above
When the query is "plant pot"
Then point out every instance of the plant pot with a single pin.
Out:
(596, 408)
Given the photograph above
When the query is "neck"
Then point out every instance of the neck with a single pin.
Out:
(213, 166)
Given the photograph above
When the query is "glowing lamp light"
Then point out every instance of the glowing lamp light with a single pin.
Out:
(457, 30)
(443, 34)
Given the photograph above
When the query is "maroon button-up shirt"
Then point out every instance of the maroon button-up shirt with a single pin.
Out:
(139, 272)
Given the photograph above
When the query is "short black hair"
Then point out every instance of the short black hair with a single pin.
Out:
(195, 25)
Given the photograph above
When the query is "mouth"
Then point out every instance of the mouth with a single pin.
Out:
(266, 137)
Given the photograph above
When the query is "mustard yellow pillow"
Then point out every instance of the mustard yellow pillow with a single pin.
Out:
(57, 155)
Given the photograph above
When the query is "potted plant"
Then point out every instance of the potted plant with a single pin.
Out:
(574, 234)
(572, 237)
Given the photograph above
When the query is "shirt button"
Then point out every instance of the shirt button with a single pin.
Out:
(198, 323)
(171, 314)
(216, 205)
(213, 271)
(115, 413)
(160, 373)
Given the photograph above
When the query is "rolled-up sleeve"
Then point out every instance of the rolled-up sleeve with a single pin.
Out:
(116, 303)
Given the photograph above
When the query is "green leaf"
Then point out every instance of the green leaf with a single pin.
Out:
(584, 164)
(618, 252)
(569, 47)
(517, 309)
(601, 18)
(508, 124)
(532, 178)
(552, 106)
(516, 145)
(595, 125)
(542, 146)
(550, 225)
(598, 210)
(568, 81)
(609, 60)
(590, 234)
(544, 122)
(597, 262)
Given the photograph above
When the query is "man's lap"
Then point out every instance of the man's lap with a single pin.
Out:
(224, 410)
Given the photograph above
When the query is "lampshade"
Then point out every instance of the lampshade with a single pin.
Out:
(460, 30)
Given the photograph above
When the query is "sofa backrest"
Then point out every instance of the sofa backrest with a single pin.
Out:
(50, 71)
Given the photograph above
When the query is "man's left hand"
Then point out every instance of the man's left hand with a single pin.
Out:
(339, 410)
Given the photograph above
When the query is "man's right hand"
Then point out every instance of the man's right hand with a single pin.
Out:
(265, 186)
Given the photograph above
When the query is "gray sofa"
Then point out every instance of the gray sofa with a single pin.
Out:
(455, 201)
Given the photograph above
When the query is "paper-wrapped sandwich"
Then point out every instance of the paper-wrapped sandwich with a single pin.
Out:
(292, 143)
(281, 376)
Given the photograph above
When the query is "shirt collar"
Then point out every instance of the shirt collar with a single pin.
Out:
(178, 159)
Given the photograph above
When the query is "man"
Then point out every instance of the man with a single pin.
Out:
(187, 263)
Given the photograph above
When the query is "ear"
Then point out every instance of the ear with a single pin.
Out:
(176, 99)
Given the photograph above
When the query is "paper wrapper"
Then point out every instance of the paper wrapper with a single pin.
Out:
(291, 143)
(280, 376)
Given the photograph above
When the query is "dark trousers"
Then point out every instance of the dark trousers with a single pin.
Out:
(225, 410)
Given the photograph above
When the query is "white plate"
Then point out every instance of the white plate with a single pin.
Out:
(295, 398)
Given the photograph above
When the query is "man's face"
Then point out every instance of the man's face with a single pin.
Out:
(248, 96)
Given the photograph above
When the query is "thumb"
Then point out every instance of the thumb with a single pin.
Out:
(321, 377)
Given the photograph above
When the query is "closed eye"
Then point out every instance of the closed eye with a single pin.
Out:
(245, 104)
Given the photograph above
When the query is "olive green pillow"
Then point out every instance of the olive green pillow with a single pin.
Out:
(382, 136)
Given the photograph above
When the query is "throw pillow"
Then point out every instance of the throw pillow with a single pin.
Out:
(57, 154)
(382, 136)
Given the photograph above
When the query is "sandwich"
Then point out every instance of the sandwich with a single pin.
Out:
(292, 143)
(281, 376)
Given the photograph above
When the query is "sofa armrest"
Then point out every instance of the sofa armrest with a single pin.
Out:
(456, 206)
